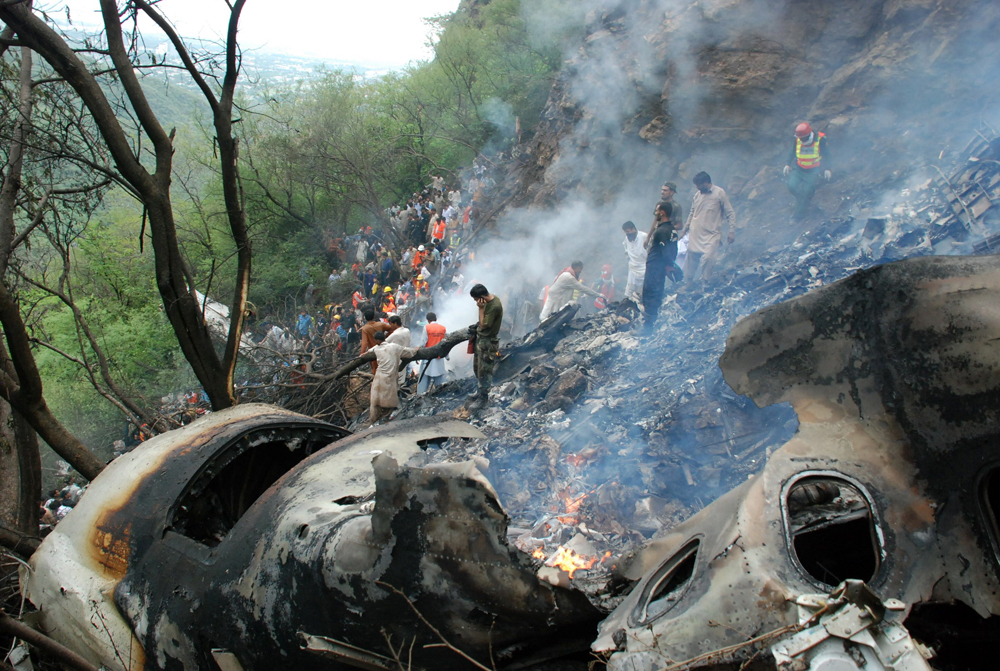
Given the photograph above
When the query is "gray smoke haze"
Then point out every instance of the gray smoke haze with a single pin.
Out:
(661, 89)
(658, 90)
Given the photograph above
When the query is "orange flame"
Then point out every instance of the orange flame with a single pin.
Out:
(571, 562)
(571, 506)
(538, 554)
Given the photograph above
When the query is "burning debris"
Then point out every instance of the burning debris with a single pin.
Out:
(582, 492)
(248, 538)
(646, 430)
(397, 536)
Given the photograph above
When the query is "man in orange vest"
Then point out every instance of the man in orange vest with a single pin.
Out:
(438, 229)
(418, 259)
(808, 164)
(433, 371)
(388, 302)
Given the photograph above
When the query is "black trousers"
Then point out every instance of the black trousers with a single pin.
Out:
(659, 263)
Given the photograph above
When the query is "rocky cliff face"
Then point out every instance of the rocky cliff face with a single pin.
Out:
(661, 89)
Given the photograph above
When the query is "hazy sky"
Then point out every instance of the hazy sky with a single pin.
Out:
(386, 32)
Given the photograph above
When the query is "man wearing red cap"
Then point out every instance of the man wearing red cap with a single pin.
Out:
(807, 165)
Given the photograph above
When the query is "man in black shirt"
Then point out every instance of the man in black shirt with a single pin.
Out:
(667, 194)
(662, 246)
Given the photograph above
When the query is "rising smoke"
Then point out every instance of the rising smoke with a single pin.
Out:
(660, 89)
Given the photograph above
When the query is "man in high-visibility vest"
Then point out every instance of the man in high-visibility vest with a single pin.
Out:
(388, 302)
(433, 371)
(418, 259)
(808, 164)
(438, 227)
(420, 286)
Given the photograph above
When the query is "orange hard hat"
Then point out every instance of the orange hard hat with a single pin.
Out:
(803, 130)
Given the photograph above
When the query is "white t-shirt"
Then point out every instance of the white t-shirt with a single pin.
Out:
(636, 252)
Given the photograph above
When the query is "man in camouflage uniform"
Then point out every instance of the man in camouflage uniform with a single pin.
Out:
(487, 332)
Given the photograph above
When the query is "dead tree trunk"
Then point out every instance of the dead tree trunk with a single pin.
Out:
(20, 463)
(20, 381)
(20, 472)
(153, 188)
(450, 341)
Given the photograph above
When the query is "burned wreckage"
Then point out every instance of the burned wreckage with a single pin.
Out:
(256, 538)
(891, 479)
(247, 540)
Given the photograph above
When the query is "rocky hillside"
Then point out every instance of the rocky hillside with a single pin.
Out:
(661, 89)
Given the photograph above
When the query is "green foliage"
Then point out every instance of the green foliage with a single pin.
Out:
(319, 160)
(115, 289)
(330, 155)
(487, 70)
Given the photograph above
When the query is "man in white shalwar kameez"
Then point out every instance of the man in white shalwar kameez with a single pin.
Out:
(635, 249)
(400, 335)
(385, 384)
(562, 290)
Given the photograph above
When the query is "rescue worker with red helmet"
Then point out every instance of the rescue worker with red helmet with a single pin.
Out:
(807, 166)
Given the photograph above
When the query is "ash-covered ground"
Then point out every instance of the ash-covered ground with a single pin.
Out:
(600, 438)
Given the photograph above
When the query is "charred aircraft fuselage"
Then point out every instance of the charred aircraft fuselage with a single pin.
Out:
(248, 539)
(891, 479)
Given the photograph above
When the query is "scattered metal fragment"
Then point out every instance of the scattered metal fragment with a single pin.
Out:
(850, 629)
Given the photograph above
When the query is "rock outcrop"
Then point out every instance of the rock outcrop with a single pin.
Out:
(661, 89)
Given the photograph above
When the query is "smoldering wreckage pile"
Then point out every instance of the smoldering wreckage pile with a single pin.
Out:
(620, 499)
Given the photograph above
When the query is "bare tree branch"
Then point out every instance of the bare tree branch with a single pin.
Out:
(182, 51)
(173, 281)
(27, 397)
(22, 631)
(450, 341)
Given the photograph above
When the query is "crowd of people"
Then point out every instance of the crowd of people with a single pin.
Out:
(390, 276)
(398, 274)
(653, 256)
(394, 276)
(683, 249)
(59, 502)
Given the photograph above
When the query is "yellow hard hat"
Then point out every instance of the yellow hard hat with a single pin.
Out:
(388, 290)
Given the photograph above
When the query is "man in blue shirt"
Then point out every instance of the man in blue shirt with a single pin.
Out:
(305, 324)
